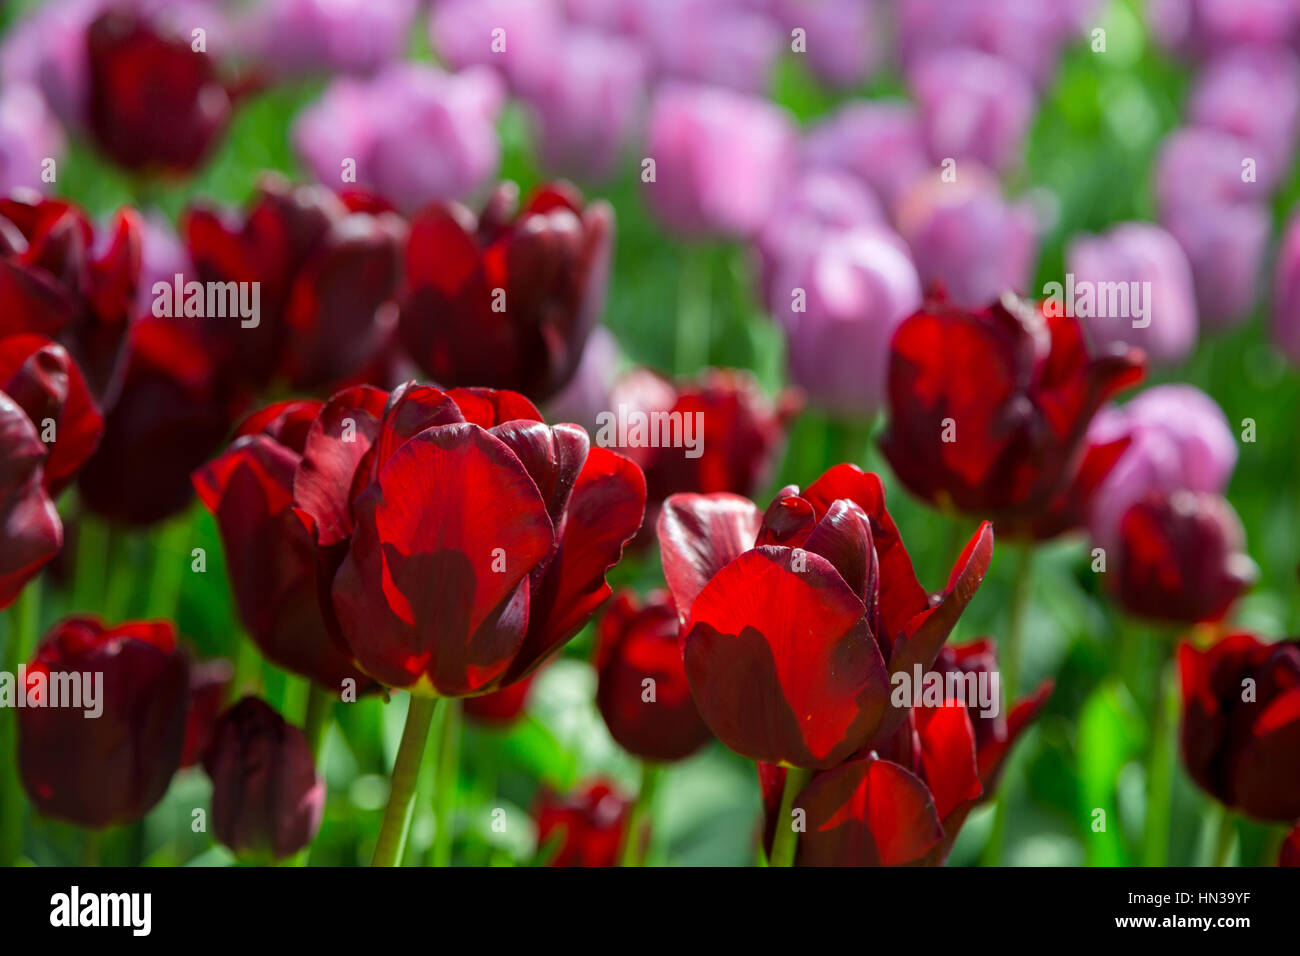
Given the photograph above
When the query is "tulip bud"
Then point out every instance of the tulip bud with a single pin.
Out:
(584, 828)
(267, 799)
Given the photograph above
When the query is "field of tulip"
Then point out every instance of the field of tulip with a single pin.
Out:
(649, 432)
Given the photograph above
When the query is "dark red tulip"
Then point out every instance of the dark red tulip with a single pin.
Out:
(267, 799)
(460, 540)
(1289, 855)
(501, 708)
(1181, 558)
(328, 276)
(1070, 509)
(175, 410)
(156, 104)
(112, 769)
(58, 280)
(638, 643)
(794, 620)
(270, 554)
(209, 687)
(1241, 723)
(509, 299)
(585, 828)
(988, 409)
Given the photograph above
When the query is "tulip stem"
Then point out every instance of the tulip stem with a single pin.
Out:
(1225, 838)
(1160, 769)
(171, 554)
(401, 794)
(693, 311)
(635, 848)
(93, 556)
(24, 626)
(320, 706)
(445, 783)
(786, 838)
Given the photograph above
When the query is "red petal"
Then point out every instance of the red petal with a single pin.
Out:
(698, 536)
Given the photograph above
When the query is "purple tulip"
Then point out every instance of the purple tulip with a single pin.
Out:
(1226, 244)
(857, 286)
(845, 38)
(721, 159)
(1286, 292)
(416, 134)
(1179, 440)
(1254, 94)
(293, 37)
(713, 42)
(515, 37)
(881, 142)
(973, 106)
(967, 237)
(588, 392)
(1142, 260)
(1202, 166)
(162, 256)
(587, 102)
(47, 49)
(1204, 27)
(29, 134)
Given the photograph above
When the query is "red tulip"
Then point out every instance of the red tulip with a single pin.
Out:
(59, 281)
(156, 104)
(113, 768)
(501, 708)
(270, 554)
(267, 799)
(794, 620)
(1241, 723)
(1289, 854)
(327, 275)
(1181, 558)
(508, 300)
(209, 686)
(637, 644)
(988, 409)
(586, 828)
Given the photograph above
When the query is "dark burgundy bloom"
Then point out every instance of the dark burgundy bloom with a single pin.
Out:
(270, 554)
(509, 299)
(501, 708)
(113, 768)
(585, 828)
(175, 410)
(156, 104)
(1289, 855)
(59, 281)
(48, 427)
(989, 409)
(327, 278)
(1241, 723)
(794, 620)
(638, 643)
(1181, 558)
(209, 687)
(460, 540)
(267, 799)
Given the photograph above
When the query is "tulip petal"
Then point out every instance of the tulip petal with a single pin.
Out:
(488, 407)
(698, 536)
(948, 755)
(335, 446)
(553, 456)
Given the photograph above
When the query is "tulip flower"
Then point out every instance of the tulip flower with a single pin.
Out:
(270, 555)
(58, 279)
(507, 301)
(294, 37)
(209, 686)
(845, 38)
(464, 34)
(327, 281)
(1286, 293)
(411, 133)
(721, 160)
(643, 692)
(1181, 558)
(1198, 28)
(585, 828)
(267, 799)
(29, 137)
(1241, 723)
(111, 769)
(501, 708)
(989, 409)
(879, 141)
(1289, 855)
(721, 45)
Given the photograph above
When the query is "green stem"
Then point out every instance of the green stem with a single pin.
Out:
(1160, 768)
(635, 848)
(169, 562)
(1224, 839)
(24, 628)
(93, 556)
(445, 784)
(397, 815)
(693, 311)
(90, 851)
(320, 707)
(786, 840)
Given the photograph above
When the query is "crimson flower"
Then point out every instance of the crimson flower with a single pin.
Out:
(209, 687)
(637, 643)
(509, 299)
(267, 799)
(501, 708)
(48, 428)
(1289, 854)
(794, 620)
(328, 270)
(111, 769)
(989, 409)
(585, 828)
(156, 104)
(1181, 558)
(57, 279)
(1241, 723)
